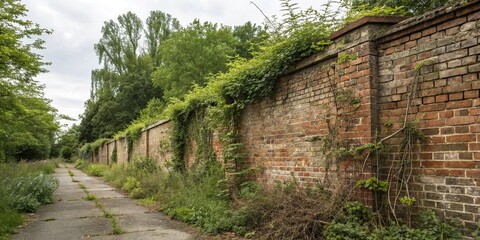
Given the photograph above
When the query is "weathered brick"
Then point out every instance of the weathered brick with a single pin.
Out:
(441, 98)
(474, 68)
(460, 181)
(452, 23)
(453, 72)
(459, 215)
(471, 94)
(455, 96)
(429, 31)
(453, 55)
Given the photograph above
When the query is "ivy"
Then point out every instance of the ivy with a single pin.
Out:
(373, 184)
(248, 80)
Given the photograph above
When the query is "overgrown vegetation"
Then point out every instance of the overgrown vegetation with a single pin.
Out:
(218, 197)
(201, 198)
(25, 186)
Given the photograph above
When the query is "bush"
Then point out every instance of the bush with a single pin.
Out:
(96, 169)
(24, 187)
(66, 152)
(350, 224)
(81, 164)
(28, 193)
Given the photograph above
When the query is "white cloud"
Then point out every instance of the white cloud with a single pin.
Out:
(77, 25)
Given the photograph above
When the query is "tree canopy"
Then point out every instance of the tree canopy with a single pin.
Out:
(27, 121)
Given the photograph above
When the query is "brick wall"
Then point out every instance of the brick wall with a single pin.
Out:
(282, 134)
(447, 164)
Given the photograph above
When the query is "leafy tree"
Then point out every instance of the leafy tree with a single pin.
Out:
(414, 7)
(191, 55)
(249, 39)
(27, 121)
(123, 86)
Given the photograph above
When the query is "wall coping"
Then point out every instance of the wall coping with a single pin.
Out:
(161, 122)
(429, 19)
(363, 21)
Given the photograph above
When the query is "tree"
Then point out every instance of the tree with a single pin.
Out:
(191, 55)
(123, 86)
(27, 121)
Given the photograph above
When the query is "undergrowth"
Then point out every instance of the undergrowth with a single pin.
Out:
(25, 186)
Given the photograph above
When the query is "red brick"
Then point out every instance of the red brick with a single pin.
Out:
(433, 164)
(459, 104)
(429, 31)
(389, 51)
(460, 120)
(441, 98)
(474, 146)
(460, 164)
(432, 107)
(462, 138)
(471, 94)
(465, 155)
(440, 139)
(447, 130)
(473, 173)
(455, 96)
(470, 77)
(427, 100)
(446, 114)
(462, 129)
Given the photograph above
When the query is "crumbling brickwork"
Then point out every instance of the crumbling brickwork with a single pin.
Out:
(357, 91)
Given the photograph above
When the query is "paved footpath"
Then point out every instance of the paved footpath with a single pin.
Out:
(72, 217)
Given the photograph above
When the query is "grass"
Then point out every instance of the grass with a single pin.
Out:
(25, 186)
(90, 197)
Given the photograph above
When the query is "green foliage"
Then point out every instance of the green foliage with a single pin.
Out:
(359, 11)
(123, 85)
(66, 153)
(94, 146)
(191, 55)
(373, 184)
(408, 201)
(66, 145)
(411, 7)
(27, 121)
(24, 187)
(90, 197)
(351, 224)
(96, 169)
(226, 94)
(82, 164)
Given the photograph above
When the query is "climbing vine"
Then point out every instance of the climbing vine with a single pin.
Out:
(227, 94)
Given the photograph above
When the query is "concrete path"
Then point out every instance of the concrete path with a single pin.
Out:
(72, 217)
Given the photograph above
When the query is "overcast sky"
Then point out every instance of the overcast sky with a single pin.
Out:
(77, 24)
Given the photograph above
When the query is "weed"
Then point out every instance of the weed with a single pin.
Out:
(90, 197)
(70, 173)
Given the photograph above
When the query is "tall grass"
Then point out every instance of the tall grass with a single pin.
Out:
(24, 187)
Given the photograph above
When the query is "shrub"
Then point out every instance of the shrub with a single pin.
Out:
(24, 187)
(96, 169)
(350, 224)
(28, 193)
